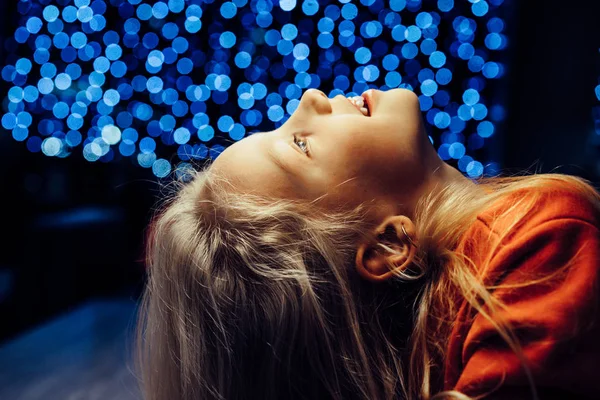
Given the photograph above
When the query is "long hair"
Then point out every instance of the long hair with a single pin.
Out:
(253, 297)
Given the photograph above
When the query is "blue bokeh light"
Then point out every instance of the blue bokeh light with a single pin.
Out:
(150, 85)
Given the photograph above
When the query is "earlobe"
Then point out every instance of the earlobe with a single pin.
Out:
(389, 255)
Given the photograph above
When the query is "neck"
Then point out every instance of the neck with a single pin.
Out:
(442, 175)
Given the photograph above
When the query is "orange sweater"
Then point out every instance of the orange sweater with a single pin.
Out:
(557, 324)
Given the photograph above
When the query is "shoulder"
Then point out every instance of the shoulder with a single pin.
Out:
(547, 276)
(548, 203)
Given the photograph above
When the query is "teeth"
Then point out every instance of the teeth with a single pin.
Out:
(359, 103)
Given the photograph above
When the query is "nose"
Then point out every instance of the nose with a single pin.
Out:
(317, 100)
(313, 91)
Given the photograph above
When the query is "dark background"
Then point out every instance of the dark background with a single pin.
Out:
(73, 230)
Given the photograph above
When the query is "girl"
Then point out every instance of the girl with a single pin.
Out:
(338, 257)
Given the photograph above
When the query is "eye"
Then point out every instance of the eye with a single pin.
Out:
(302, 144)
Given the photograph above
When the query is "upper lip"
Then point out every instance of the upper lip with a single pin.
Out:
(368, 96)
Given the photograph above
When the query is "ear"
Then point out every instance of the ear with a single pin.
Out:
(378, 264)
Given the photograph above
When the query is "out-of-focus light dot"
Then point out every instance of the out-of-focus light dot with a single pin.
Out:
(111, 134)
(30, 94)
(45, 85)
(62, 81)
(75, 121)
(301, 51)
(180, 108)
(349, 11)
(20, 133)
(495, 25)
(475, 169)
(493, 41)
(466, 51)
(479, 112)
(443, 76)
(471, 97)
(242, 59)
(480, 8)
(167, 122)
(21, 35)
(181, 135)
(437, 59)
(362, 55)
(491, 70)
(429, 87)
(147, 145)
(156, 58)
(97, 79)
(425, 102)
(78, 40)
(154, 84)
(61, 40)
(161, 168)
(85, 14)
(24, 118)
(126, 148)
(288, 32)
(69, 14)
(185, 66)
(101, 65)
(169, 30)
(51, 146)
(228, 10)
(192, 24)
(445, 5)
(60, 110)
(456, 150)
(412, 33)
(48, 70)
(9, 121)
(50, 13)
(409, 50)
(497, 113)
(23, 66)
(227, 39)
(43, 42)
(79, 107)
(130, 134)
(15, 94)
(98, 23)
(132, 25)
(176, 6)
(287, 5)
(73, 138)
(118, 69)
(34, 24)
(113, 52)
(485, 129)
(397, 5)
(34, 144)
(442, 120)
(150, 40)
(160, 10)
(170, 96)
(476, 64)
(9, 73)
(112, 97)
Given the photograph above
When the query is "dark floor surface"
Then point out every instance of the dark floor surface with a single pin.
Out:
(83, 354)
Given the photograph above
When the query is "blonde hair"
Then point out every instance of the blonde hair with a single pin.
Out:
(255, 297)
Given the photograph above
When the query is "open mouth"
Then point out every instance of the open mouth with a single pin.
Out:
(360, 103)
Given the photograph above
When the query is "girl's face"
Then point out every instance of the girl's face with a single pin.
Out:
(385, 159)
